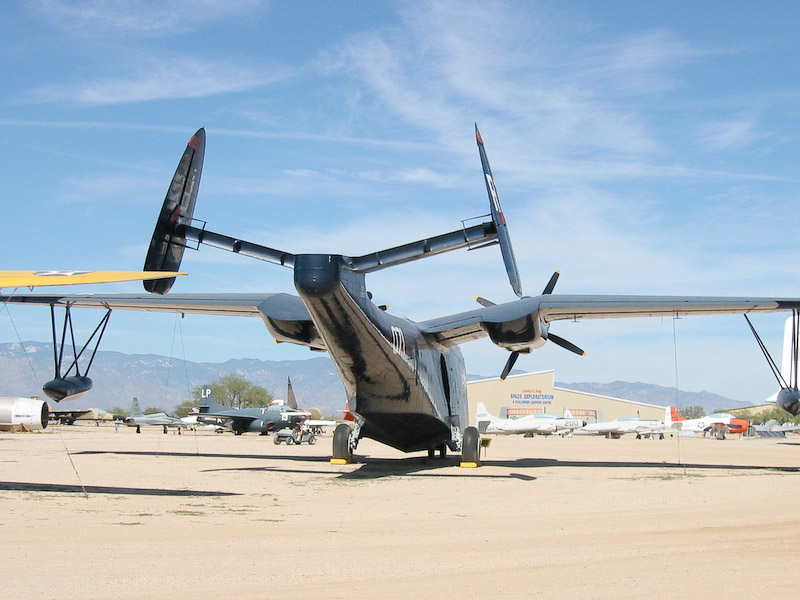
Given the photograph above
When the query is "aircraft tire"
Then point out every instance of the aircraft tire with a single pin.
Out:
(341, 443)
(470, 450)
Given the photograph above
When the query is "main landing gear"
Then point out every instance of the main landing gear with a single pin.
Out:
(345, 440)
(442, 451)
(470, 448)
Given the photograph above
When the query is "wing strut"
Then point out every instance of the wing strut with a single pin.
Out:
(788, 397)
(770, 361)
(68, 386)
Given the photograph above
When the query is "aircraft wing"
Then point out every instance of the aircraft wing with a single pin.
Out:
(463, 327)
(9, 279)
(285, 315)
(232, 416)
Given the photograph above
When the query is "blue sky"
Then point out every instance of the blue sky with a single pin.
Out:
(643, 148)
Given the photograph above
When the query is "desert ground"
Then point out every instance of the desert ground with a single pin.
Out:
(90, 513)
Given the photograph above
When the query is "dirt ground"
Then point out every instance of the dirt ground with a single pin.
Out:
(202, 515)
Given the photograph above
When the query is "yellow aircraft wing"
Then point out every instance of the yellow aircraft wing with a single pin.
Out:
(37, 278)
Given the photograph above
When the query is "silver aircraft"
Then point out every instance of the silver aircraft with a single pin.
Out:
(160, 419)
(405, 381)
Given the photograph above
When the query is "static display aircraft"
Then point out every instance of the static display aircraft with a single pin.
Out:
(137, 419)
(405, 381)
(718, 424)
(69, 416)
(774, 429)
(541, 424)
(623, 425)
(23, 414)
(262, 419)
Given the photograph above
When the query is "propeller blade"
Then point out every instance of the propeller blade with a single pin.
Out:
(548, 289)
(509, 365)
(559, 341)
(484, 301)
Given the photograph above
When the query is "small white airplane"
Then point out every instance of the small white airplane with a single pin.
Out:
(543, 424)
(641, 427)
(717, 424)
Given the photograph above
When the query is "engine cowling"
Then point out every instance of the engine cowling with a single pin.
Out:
(521, 335)
(23, 413)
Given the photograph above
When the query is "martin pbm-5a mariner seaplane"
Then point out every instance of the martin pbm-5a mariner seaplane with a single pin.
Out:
(405, 381)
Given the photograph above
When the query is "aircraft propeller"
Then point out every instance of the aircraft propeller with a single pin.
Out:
(557, 340)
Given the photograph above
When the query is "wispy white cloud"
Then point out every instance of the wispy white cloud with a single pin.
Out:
(449, 58)
(732, 134)
(106, 189)
(151, 78)
(152, 17)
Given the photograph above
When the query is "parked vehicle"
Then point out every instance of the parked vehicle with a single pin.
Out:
(292, 436)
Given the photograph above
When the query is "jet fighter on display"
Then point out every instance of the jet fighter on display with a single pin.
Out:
(405, 381)
(618, 427)
(258, 419)
(541, 424)
(137, 419)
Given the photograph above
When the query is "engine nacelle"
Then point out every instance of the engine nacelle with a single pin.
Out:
(23, 413)
(521, 335)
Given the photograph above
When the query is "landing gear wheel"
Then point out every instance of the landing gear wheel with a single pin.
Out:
(470, 448)
(342, 454)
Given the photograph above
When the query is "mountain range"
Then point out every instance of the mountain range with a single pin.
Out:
(159, 381)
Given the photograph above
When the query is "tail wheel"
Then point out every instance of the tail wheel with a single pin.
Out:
(342, 454)
(470, 448)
